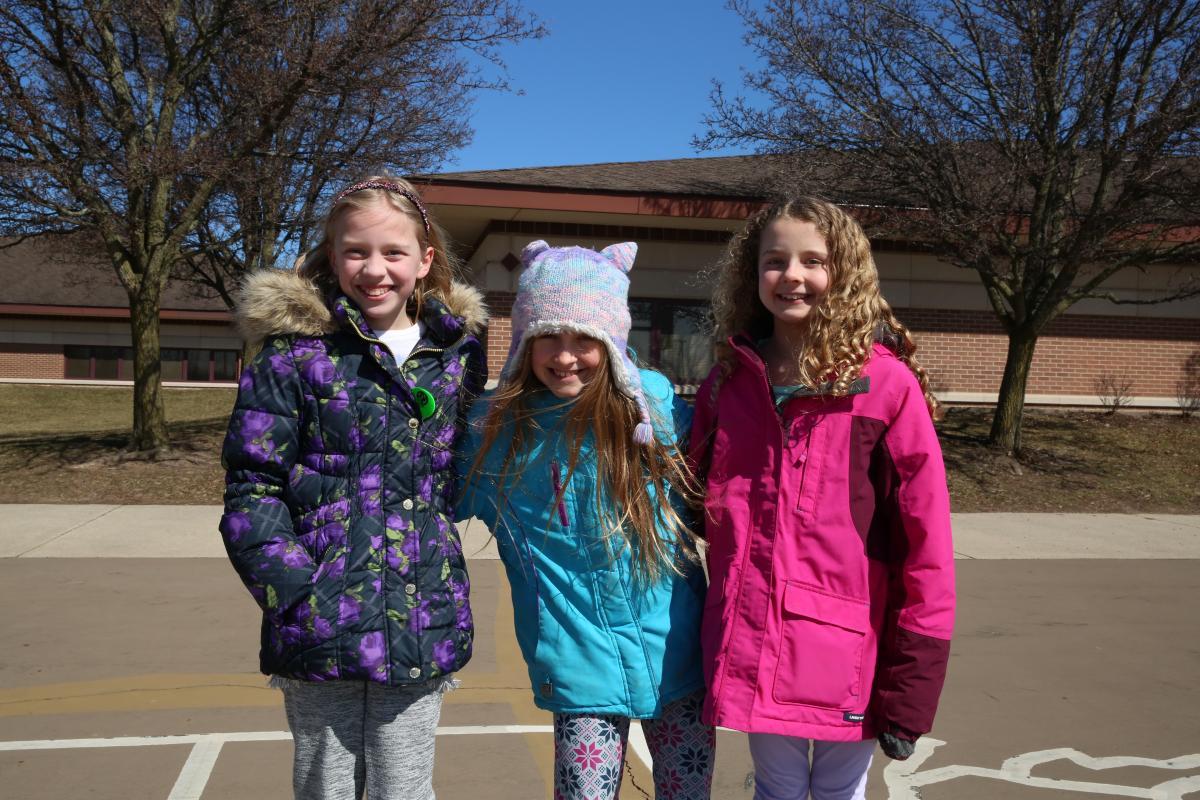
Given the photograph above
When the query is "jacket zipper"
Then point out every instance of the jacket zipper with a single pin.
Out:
(383, 556)
(803, 458)
(416, 561)
(423, 351)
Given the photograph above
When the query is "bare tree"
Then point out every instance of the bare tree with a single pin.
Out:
(1045, 144)
(127, 117)
(403, 110)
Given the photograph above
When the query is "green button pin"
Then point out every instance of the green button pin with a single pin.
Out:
(425, 402)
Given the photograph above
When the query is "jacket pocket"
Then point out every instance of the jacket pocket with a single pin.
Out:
(821, 646)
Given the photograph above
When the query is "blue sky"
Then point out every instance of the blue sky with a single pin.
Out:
(614, 81)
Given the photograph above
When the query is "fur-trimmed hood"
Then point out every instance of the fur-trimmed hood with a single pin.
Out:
(274, 301)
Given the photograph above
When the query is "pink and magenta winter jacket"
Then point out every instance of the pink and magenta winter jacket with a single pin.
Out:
(831, 597)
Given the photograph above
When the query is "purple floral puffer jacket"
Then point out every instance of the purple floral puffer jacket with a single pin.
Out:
(338, 486)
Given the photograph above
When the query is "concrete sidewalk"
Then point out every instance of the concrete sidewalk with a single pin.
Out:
(114, 531)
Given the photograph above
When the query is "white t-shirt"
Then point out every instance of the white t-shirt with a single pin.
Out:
(401, 342)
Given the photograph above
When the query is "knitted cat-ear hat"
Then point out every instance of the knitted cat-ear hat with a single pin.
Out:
(582, 291)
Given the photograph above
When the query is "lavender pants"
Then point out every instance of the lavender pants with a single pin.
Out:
(785, 769)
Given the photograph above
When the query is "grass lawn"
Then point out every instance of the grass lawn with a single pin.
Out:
(60, 444)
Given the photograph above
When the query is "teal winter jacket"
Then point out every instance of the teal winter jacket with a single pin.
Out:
(595, 639)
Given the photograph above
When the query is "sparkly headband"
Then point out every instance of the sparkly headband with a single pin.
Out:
(391, 187)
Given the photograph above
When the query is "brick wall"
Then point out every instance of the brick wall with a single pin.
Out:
(964, 351)
(499, 332)
(31, 361)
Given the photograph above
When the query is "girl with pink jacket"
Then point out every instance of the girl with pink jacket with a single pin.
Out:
(831, 598)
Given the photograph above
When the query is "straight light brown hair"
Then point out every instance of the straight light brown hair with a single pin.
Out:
(636, 484)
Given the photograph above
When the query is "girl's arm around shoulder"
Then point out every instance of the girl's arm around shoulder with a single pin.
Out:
(469, 500)
(671, 414)
(261, 448)
(476, 372)
(704, 423)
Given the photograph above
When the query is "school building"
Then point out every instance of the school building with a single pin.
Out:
(63, 317)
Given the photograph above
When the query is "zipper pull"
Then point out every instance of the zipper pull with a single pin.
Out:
(558, 493)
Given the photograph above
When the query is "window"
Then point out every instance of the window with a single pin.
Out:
(98, 363)
(79, 361)
(672, 337)
(199, 365)
(210, 365)
(116, 363)
(104, 363)
(225, 363)
(172, 364)
(125, 364)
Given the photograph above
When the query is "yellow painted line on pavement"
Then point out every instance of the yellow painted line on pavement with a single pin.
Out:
(139, 693)
(510, 683)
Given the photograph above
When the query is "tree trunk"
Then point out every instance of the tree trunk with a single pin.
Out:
(149, 418)
(249, 351)
(1010, 406)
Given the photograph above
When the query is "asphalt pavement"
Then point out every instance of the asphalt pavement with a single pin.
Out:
(130, 668)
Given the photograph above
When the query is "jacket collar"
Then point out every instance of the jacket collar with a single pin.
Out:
(275, 301)
(442, 328)
(746, 351)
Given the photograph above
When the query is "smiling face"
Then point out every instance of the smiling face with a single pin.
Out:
(793, 272)
(565, 362)
(377, 257)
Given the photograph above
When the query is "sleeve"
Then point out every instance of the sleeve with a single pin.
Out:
(670, 413)
(704, 427)
(467, 442)
(476, 373)
(259, 452)
(915, 645)
(474, 495)
(682, 414)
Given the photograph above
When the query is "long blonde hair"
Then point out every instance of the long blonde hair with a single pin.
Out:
(317, 267)
(850, 317)
(635, 483)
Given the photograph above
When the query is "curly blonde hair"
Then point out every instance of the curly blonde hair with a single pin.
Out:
(850, 317)
(317, 267)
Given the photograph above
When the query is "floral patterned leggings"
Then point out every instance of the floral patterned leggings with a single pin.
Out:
(589, 753)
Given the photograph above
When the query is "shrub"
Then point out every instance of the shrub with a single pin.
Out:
(1115, 391)
(1187, 388)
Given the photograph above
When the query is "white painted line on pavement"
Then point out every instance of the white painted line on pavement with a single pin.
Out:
(206, 748)
(477, 730)
(904, 778)
(143, 741)
(197, 769)
(238, 736)
(637, 743)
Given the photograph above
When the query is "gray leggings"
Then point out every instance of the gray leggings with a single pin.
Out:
(352, 735)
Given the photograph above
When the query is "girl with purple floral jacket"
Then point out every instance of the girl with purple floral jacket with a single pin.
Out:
(338, 489)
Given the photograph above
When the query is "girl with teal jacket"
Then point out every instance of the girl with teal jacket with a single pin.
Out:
(572, 463)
